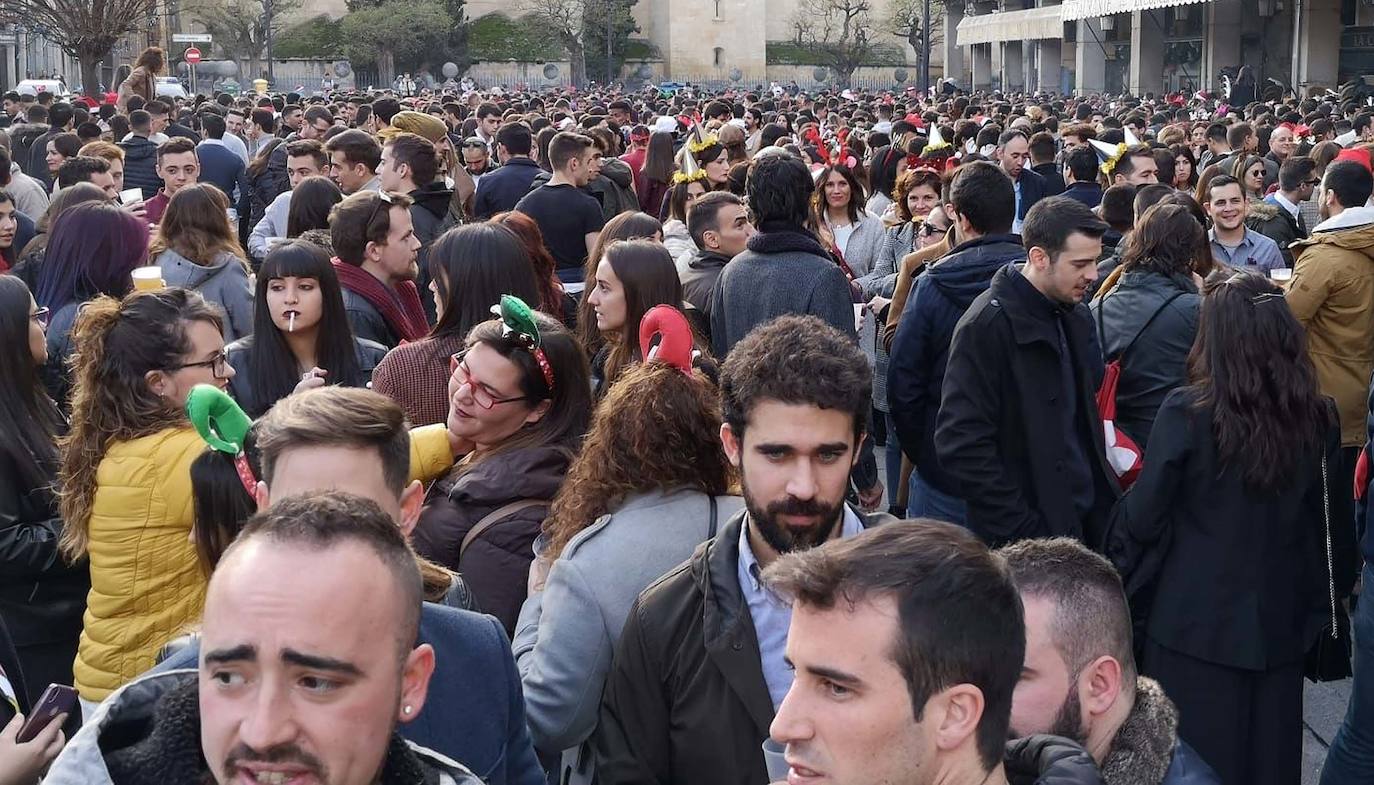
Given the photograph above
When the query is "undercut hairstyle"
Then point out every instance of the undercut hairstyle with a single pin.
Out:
(1091, 617)
(779, 189)
(565, 146)
(983, 194)
(337, 417)
(1082, 164)
(1238, 133)
(1295, 171)
(1042, 147)
(212, 124)
(959, 618)
(516, 138)
(385, 109)
(796, 360)
(358, 147)
(264, 119)
(1216, 132)
(704, 214)
(320, 521)
(311, 148)
(1351, 182)
(79, 168)
(1052, 220)
(416, 152)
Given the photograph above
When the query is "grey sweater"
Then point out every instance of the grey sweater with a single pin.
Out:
(782, 272)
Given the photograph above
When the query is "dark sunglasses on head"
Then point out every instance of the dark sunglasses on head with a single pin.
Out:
(382, 198)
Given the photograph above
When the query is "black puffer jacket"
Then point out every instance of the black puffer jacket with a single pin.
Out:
(140, 165)
(430, 215)
(1152, 318)
(496, 564)
(1049, 760)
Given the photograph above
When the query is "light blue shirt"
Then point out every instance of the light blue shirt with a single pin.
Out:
(1016, 217)
(772, 614)
(1255, 251)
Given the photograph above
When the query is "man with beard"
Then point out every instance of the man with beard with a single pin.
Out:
(304, 675)
(700, 669)
(1080, 680)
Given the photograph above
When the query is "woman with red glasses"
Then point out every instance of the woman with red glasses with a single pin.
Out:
(519, 403)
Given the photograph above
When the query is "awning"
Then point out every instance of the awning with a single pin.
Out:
(1088, 9)
(1029, 25)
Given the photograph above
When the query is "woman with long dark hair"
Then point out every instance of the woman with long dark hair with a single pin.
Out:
(651, 480)
(1149, 319)
(60, 148)
(301, 338)
(261, 187)
(1249, 170)
(657, 173)
(681, 195)
(626, 226)
(838, 217)
(142, 80)
(41, 596)
(472, 266)
(198, 249)
(125, 476)
(520, 400)
(94, 248)
(311, 201)
(1185, 169)
(1236, 487)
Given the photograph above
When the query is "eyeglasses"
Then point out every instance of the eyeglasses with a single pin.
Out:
(473, 143)
(479, 393)
(1313, 181)
(41, 316)
(218, 365)
(382, 197)
(928, 229)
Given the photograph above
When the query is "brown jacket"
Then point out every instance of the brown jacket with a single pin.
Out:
(906, 278)
(1332, 294)
(138, 82)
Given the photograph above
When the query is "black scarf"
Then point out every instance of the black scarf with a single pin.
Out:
(776, 236)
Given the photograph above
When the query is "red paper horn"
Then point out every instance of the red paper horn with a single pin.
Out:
(675, 337)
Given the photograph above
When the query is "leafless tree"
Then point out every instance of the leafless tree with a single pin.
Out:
(906, 18)
(85, 29)
(240, 28)
(564, 17)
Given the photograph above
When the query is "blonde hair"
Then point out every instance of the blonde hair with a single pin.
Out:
(102, 149)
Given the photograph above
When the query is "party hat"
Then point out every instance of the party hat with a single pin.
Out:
(936, 142)
(689, 170)
(1107, 155)
(1131, 140)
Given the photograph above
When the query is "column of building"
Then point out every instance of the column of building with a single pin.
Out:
(1147, 53)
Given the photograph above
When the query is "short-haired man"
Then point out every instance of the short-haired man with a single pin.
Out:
(28, 194)
(140, 155)
(981, 205)
(342, 632)
(410, 166)
(488, 121)
(1018, 429)
(1013, 155)
(1278, 217)
(164, 124)
(261, 126)
(178, 166)
(87, 169)
(1078, 135)
(905, 643)
(354, 156)
(1080, 679)
(339, 438)
(221, 166)
(502, 188)
(719, 225)
(1218, 148)
(700, 668)
(1042, 155)
(1081, 176)
(1232, 242)
(304, 158)
(569, 217)
(234, 119)
(375, 256)
(113, 155)
(1282, 144)
(1137, 166)
(314, 124)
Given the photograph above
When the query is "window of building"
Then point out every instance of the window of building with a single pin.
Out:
(718, 56)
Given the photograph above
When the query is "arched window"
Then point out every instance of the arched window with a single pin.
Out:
(718, 56)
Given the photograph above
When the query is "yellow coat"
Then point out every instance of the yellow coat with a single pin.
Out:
(146, 584)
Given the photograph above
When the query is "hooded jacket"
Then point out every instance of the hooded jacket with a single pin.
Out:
(496, 564)
(698, 272)
(614, 188)
(916, 367)
(429, 214)
(1001, 430)
(685, 699)
(140, 165)
(223, 282)
(29, 196)
(1270, 219)
(1332, 294)
(149, 733)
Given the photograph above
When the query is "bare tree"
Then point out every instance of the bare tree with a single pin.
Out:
(564, 17)
(240, 28)
(838, 31)
(85, 29)
(907, 18)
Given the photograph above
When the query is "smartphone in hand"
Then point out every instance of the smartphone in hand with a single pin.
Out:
(56, 699)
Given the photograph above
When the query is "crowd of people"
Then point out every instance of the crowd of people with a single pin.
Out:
(736, 437)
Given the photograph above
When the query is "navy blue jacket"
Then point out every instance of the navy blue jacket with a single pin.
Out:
(1087, 193)
(916, 370)
(222, 168)
(1033, 189)
(475, 710)
(500, 189)
(140, 165)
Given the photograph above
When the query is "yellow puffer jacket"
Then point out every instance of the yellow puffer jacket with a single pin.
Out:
(146, 585)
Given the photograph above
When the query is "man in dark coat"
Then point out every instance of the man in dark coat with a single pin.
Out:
(500, 189)
(982, 201)
(1013, 155)
(1080, 164)
(700, 668)
(1278, 216)
(1018, 427)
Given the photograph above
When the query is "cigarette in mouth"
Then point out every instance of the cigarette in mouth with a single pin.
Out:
(291, 323)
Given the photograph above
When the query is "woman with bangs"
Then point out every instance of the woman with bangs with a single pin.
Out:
(301, 338)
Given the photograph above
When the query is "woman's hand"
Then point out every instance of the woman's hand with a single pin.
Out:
(878, 303)
(311, 379)
(22, 764)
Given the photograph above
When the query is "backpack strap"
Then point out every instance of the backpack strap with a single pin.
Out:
(494, 517)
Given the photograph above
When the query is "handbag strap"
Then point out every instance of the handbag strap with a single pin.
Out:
(490, 519)
(1121, 355)
(1330, 566)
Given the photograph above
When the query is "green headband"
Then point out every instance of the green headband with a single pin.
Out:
(518, 324)
(218, 418)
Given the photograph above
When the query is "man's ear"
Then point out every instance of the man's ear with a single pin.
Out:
(732, 444)
(415, 676)
(412, 501)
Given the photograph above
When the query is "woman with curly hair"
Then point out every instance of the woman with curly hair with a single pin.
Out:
(648, 488)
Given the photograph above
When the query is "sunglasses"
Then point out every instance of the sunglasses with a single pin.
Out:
(382, 198)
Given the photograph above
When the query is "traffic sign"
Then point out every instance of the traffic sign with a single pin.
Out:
(191, 38)
(192, 55)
